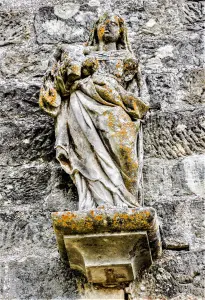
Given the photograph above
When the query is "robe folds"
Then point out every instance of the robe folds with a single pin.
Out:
(96, 134)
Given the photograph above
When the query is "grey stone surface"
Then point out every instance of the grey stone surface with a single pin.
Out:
(63, 23)
(175, 134)
(15, 27)
(167, 37)
(30, 62)
(177, 273)
(32, 277)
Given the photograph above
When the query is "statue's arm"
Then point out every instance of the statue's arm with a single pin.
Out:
(50, 99)
(137, 96)
(61, 74)
(142, 86)
(138, 86)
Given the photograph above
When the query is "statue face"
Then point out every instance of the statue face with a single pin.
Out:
(109, 30)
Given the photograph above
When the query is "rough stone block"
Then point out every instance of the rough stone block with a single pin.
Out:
(24, 228)
(181, 223)
(24, 63)
(176, 91)
(27, 142)
(192, 16)
(18, 100)
(31, 277)
(178, 275)
(15, 27)
(24, 184)
(173, 52)
(176, 134)
(26, 133)
(64, 23)
(176, 190)
(162, 89)
(45, 185)
(188, 176)
(165, 179)
(192, 86)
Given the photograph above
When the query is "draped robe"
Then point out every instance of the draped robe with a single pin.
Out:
(96, 135)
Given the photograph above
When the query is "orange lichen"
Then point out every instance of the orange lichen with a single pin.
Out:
(92, 213)
(69, 223)
(101, 32)
(111, 121)
(131, 222)
(116, 19)
(99, 218)
(49, 96)
(118, 64)
(75, 68)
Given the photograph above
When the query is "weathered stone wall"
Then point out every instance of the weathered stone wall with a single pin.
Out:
(166, 35)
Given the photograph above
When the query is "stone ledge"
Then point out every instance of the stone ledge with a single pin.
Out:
(73, 229)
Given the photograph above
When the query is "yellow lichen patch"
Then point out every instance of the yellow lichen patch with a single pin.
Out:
(88, 223)
(123, 137)
(103, 221)
(127, 222)
(92, 213)
(111, 121)
(101, 32)
(107, 21)
(55, 214)
(116, 19)
(96, 217)
(64, 219)
(99, 218)
(49, 96)
(139, 107)
(75, 69)
(118, 64)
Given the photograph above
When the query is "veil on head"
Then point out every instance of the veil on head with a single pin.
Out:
(122, 42)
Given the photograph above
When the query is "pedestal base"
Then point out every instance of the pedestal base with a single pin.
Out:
(109, 258)
(110, 247)
(103, 294)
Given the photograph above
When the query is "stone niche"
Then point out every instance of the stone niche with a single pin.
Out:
(110, 247)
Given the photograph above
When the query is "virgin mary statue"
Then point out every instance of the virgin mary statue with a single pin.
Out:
(97, 108)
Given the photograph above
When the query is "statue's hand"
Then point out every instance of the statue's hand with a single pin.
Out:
(130, 68)
(49, 96)
(67, 74)
(73, 72)
(59, 77)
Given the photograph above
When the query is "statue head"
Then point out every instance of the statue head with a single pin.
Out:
(110, 28)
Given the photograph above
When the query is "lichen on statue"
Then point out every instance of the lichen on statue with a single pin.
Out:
(98, 105)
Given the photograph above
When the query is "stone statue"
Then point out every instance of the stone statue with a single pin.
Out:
(97, 108)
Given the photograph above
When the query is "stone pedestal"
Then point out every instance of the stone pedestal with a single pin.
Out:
(111, 247)
(103, 294)
(109, 258)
